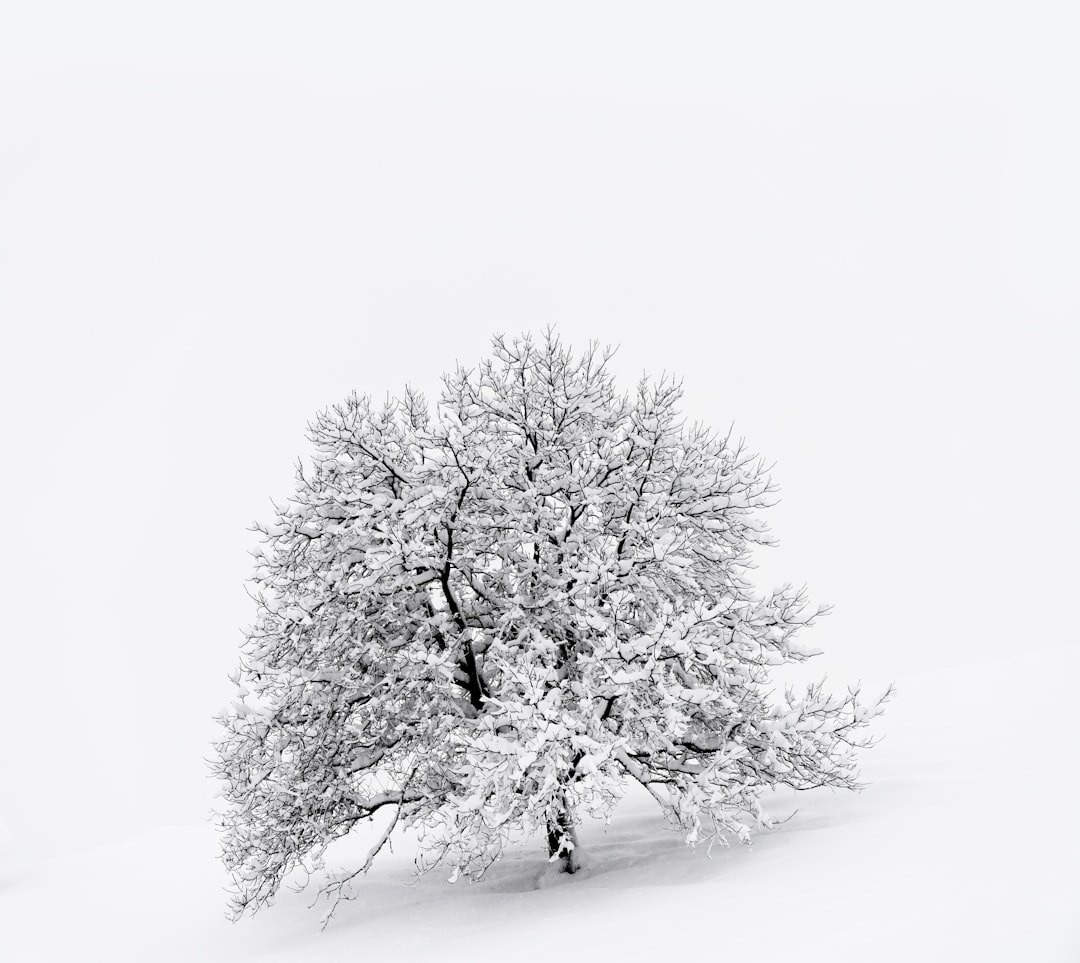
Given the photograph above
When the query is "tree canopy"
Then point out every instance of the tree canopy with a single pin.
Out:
(490, 615)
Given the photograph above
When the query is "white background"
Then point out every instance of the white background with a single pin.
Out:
(853, 228)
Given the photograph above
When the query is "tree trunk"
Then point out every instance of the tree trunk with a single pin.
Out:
(562, 840)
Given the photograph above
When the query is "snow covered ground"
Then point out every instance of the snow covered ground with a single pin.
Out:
(964, 847)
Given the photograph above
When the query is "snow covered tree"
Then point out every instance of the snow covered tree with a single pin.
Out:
(491, 615)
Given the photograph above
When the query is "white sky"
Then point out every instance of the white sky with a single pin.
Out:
(855, 232)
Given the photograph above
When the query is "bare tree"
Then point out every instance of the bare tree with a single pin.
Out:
(490, 616)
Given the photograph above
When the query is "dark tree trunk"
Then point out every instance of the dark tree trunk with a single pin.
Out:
(562, 840)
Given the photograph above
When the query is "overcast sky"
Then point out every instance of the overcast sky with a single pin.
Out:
(855, 233)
